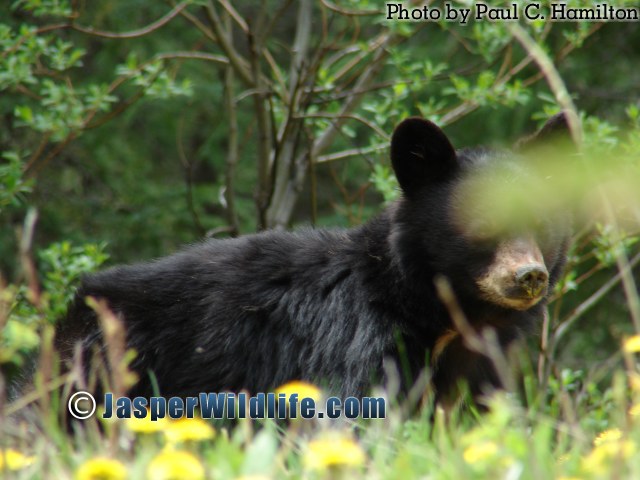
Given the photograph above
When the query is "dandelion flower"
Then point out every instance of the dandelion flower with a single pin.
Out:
(101, 468)
(333, 452)
(609, 445)
(634, 411)
(303, 389)
(146, 425)
(189, 429)
(14, 460)
(632, 344)
(597, 461)
(608, 436)
(175, 465)
(480, 452)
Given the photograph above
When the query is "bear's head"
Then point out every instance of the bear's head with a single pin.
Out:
(451, 219)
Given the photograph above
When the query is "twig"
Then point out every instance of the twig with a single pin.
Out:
(233, 13)
(264, 132)
(232, 142)
(124, 35)
(486, 343)
(469, 106)
(35, 395)
(330, 157)
(350, 116)
(187, 165)
(459, 319)
(39, 151)
(348, 12)
(209, 57)
(553, 78)
(288, 134)
(566, 324)
(26, 259)
(238, 62)
(114, 334)
(280, 212)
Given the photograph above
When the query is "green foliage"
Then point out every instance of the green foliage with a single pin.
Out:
(61, 266)
(154, 79)
(610, 243)
(385, 182)
(30, 53)
(487, 91)
(13, 185)
(48, 8)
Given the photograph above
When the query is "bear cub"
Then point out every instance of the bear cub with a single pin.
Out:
(333, 306)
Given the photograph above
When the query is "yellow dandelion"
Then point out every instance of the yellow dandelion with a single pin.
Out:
(11, 459)
(608, 436)
(175, 465)
(480, 452)
(333, 452)
(632, 344)
(189, 430)
(303, 389)
(101, 468)
(146, 425)
(634, 411)
(597, 461)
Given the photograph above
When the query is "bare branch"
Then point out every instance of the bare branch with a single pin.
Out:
(132, 34)
(233, 13)
(232, 142)
(350, 13)
(287, 193)
(350, 116)
(187, 166)
(351, 102)
(553, 78)
(208, 57)
(26, 258)
(288, 133)
(579, 311)
(239, 63)
(199, 25)
(331, 157)
(264, 132)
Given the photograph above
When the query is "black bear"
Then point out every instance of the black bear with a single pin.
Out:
(331, 306)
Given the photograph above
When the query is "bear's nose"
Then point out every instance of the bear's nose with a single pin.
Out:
(532, 279)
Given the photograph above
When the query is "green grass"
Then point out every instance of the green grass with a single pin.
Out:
(566, 433)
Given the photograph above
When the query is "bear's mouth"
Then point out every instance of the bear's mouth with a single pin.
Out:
(528, 298)
(514, 297)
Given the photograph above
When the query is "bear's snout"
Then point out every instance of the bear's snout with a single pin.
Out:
(517, 278)
(532, 279)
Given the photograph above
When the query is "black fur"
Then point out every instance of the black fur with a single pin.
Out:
(318, 305)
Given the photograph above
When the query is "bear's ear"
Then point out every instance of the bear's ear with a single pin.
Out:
(553, 134)
(421, 154)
